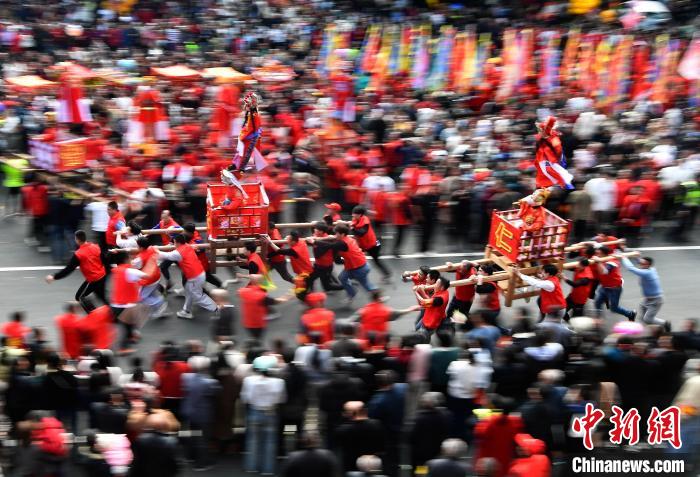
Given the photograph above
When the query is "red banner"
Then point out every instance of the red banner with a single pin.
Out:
(71, 155)
(504, 237)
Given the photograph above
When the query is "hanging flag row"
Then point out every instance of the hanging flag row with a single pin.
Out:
(608, 68)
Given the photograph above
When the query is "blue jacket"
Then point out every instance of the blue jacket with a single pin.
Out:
(648, 278)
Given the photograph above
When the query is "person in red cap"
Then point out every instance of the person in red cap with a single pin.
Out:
(15, 331)
(532, 461)
(317, 319)
(88, 257)
(67, 324)
(376, 315)
(363, 231)
(333, 214)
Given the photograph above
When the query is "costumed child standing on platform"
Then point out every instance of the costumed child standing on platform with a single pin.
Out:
(532, 211)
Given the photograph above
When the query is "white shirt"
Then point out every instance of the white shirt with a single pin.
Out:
(263, 393)
(98, 216)
(463, 379)
(603, 193)
(545, 285)
(663, 154)
(127, 242)
(419, 363)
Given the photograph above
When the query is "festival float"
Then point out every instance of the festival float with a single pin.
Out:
(238, 210)
(61, 147)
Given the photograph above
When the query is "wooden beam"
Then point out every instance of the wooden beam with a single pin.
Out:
(445, 268)
(582, 245)
(572, 265)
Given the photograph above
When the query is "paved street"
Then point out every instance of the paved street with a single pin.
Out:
(22, 288)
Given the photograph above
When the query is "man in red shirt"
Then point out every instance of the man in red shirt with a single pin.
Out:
(36, 198)
(333, 214)
(195, 277)
(298, 253)
(376, 315)
(67, 324)
(14, 330)
(363, 231)
(400, 207)
(580, 288)
(354, 261)
(634, 214)
(610, 289)
(464, 294)
(97, 327)
(116, 222)
(324, 259)
(147, 262)
(255, 303)
(317, 319)
(278, 261)
(551, 298)
(435, 308)
(418, 278)
(88, 257)
(167, 222)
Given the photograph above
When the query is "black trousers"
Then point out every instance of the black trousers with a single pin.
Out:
(281, 268)
(88, 288)
(400, 234)
(165, 269)
(128, 336)
(328, 280)
(374, 253)
(571, 306)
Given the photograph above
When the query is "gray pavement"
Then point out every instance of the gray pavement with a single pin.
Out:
(22, 287)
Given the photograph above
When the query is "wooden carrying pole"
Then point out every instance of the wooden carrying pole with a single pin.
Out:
(505, 275)
(571, 248)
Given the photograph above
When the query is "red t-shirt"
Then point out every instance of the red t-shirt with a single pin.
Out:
(170, 373)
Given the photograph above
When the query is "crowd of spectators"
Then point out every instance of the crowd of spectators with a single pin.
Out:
(462, 406)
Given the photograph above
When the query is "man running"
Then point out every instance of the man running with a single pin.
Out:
(88, 258)
(194, 274)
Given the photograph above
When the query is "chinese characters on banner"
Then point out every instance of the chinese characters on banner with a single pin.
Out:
(505, 237)
(662, 426)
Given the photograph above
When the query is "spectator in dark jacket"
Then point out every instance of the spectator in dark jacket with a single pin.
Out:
(387, 406)
(60, 391)
(197, 407)
(430, 428)
(310, 460)
(359, 436)
(332, 397)
(155, 452)
(449, 464)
